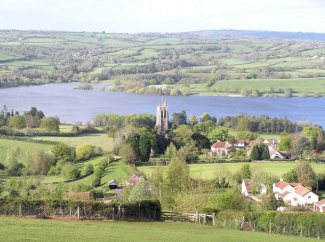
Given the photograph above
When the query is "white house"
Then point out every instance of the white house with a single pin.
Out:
(271, 143)
(218, 147)
(242, 143)
(319, 206)
(246, 189)
(293, 193)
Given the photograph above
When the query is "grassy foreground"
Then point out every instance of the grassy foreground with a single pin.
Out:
(22, 229)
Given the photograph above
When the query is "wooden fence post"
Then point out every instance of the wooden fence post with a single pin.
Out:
(19, 209)
(270, 227)
(213, 220)
(78, 212)
(196, 216)
(119, 213)
(70, 212)
(301, 232)
(199, 218)
(204, 219)
(123, 213)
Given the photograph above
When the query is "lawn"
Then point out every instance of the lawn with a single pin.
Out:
(23, 229)
(207, 171)
(98, 139)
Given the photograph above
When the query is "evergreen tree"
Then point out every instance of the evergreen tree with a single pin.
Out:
(265, 152)
(320, 141)
(133, 141)
(144, 147)
(255, 155)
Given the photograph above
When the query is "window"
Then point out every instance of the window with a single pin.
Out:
(309, 197)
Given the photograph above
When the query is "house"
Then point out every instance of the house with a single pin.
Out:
(135, 179)
(113, 184)
(246, 189)
(271, 143)
(319, 206)
(242, 143)
(281, 155)
(218, 147)
(294, 193)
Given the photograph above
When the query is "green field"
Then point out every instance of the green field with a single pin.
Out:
(97, 139)
(207, 171)
(5, 144)
(23, 229)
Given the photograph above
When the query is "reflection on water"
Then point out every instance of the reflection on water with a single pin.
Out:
(73, 105)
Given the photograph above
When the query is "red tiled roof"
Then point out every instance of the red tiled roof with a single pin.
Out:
(247, 183)
(283, 195)
(295, 184)
(243, 141)
(281, 184)
(301, 191)
(320, 203)
(220, 145)
(135, 179)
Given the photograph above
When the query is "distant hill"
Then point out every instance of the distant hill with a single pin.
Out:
(263, 34)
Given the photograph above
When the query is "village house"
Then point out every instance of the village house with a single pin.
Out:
(246, 188)
(294, 193)
(218, 147)
(135, 179)
(319, 206)
(281, 155)
(271, 143)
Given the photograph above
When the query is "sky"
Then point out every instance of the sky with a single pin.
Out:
(135, 16)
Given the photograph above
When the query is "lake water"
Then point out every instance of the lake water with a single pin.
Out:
(72, 105)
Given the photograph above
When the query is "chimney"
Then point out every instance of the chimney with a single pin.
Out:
(281, 179)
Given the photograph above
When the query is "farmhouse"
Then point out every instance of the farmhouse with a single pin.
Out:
(218, 147)
(294, 193)
(135, 179)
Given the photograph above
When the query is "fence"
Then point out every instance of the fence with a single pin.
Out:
(81, 212)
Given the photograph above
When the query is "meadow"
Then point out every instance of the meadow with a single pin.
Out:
(30, 229)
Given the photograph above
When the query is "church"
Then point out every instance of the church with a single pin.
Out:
(162, 117)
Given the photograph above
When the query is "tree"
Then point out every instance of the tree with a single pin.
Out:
(193, 120)
(18, 122)
(170, 151)
(89, 168)
(13, 166)
(247, 135)
(255, 155)
(176, 177)
(201, 141)
(306, 175)
(320, 141)
(127, 152)
(285, 143)
(144, 147)
(218, 134)
(52, 124)
(84, 151)
(140, 191)
(178, 119)
(265, 152)
(243, 124)
(182, 135)
(206, 117)
(133, 141)
(63, 152)
(96, 182)
(42, 161)
(301, 145)
(174, 92)
(232, 144)
(290, 176)
(246, 171)
(270, 203)
(313, 132)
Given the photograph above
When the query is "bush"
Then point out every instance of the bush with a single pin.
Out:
(2, 167)
(89, 168)
(96, 182)
(98, 150)
(69, 171)
(99, 171)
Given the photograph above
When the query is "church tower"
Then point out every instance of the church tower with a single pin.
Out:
(162, 118)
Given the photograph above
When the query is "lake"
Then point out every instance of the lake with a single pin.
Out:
(72, 105)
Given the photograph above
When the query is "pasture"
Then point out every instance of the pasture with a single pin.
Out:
(208, 171)
(24, 229)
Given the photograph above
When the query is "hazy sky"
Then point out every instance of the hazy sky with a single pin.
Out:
(135, 16)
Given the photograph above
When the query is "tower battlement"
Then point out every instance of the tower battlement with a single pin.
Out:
(162, 117)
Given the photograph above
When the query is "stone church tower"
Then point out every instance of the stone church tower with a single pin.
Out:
(162, 116)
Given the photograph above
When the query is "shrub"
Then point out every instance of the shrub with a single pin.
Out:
(96, 182)
(99, 171)
(98, 150)
(72, 173)
(89, 168)
(2, 167)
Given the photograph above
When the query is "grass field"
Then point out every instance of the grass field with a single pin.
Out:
(5, 144)
(23, 229)
(207, 171)
(264, 136)
(98, 139)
